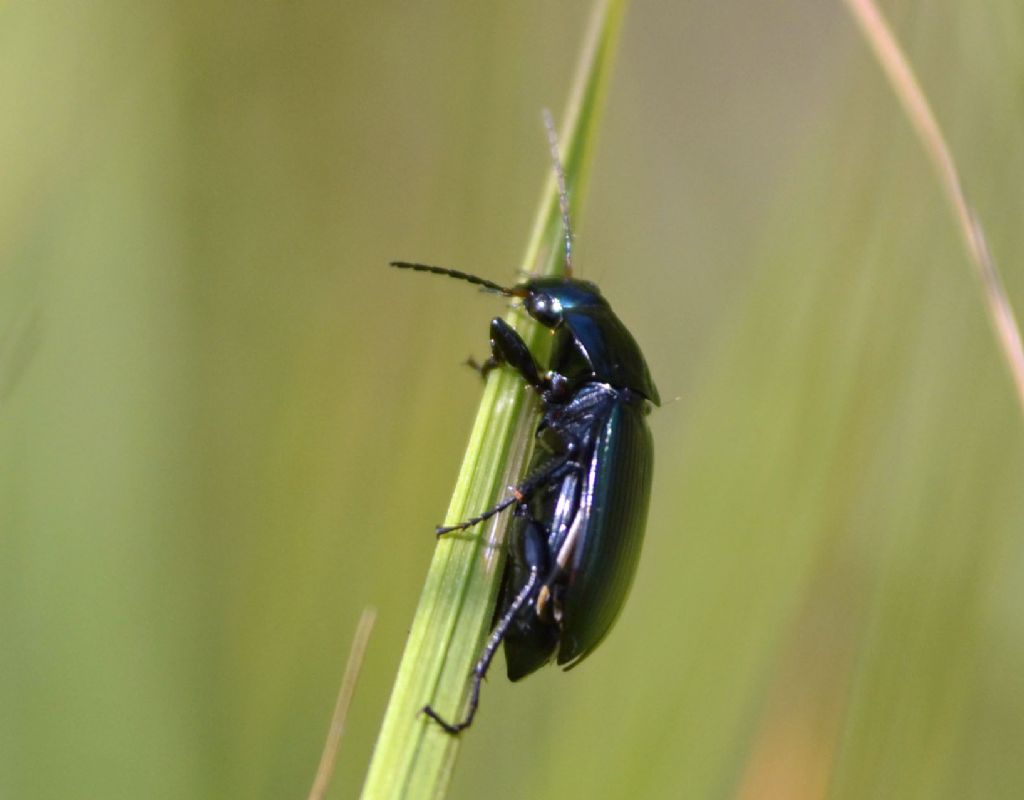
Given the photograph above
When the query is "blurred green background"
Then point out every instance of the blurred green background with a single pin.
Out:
(225, 426)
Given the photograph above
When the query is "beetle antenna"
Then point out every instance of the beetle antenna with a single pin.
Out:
(489, 286)
(563, 193)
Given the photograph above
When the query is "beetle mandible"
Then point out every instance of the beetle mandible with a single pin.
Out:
(579, 515)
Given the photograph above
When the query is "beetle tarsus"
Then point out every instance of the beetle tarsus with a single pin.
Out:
(447, 727)
(441, 530)
(482, 369)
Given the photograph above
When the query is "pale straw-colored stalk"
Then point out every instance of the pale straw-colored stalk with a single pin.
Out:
(353, 666)
(904, 83)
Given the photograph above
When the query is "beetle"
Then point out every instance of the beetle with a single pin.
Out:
(579, 515)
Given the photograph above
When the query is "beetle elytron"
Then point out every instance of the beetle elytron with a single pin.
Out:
(579, 515)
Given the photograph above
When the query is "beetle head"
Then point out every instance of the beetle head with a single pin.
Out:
(548, 299)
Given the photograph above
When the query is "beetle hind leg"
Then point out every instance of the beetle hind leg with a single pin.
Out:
(486, 657)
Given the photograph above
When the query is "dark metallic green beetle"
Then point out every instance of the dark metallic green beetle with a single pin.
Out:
(580, 514)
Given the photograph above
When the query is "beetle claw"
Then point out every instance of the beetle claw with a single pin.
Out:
(453, 730)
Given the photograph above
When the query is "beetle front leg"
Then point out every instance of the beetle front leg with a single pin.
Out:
(508, 347)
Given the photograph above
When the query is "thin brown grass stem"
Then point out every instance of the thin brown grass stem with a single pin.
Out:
(353, 666)
(915, 105)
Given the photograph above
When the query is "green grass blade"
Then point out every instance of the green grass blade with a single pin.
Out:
(413, 758)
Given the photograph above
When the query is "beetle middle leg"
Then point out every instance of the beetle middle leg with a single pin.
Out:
(556, 467)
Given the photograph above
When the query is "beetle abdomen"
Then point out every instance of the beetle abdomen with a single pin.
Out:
(615, 497)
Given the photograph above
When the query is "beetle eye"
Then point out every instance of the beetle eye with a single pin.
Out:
(545, 309)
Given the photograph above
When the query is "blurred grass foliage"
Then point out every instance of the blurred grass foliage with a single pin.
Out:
(225, 426)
